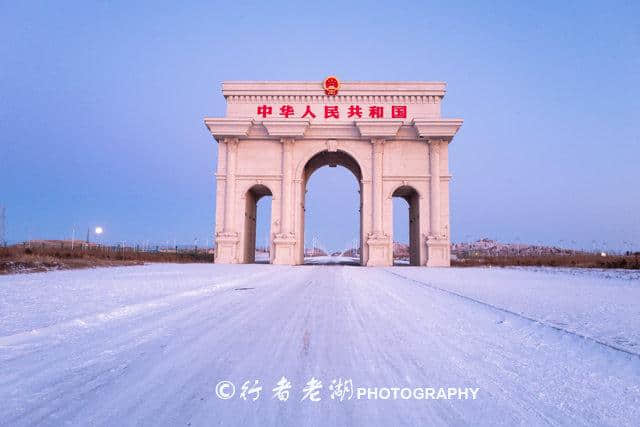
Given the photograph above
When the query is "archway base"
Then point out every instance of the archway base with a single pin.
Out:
(380, 248)
(283, 246)
(438, 252)
(227, 248)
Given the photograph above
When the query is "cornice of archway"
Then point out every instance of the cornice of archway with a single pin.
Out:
(376, 128)
(443, 129)
(339, 130)
(251, 91)
(276, 129)
(286, 128)
(228, 127)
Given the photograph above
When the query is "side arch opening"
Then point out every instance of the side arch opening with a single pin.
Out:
(257, 218)
(406, 210)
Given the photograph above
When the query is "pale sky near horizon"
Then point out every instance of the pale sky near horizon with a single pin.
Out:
(101, 108)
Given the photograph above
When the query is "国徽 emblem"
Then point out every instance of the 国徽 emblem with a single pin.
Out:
(331, 85)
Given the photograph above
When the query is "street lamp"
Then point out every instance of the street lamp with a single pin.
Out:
(98, 231)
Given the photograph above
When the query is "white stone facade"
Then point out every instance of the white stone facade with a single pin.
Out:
(389, 134)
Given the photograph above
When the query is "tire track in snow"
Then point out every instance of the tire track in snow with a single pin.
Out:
(124, 311)
(503, 364)
(161, 366)
(87, 355)
(192, 346)
(520, 315)
(399, 346)
(445, 340)
(180, 315)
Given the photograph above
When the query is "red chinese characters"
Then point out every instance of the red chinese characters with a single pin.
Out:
(399, 112)
(376, 112)
(308, 112)
(354, 111)
(286, 111)
(264, 110)
(333, 111)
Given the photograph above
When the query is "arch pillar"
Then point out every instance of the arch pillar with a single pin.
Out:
(438, 244)
(284, 242)
(298, 203)
(379, 242)
(228, 132)
(228, 239)
(365, 219)
(438, 133)
(288, 131)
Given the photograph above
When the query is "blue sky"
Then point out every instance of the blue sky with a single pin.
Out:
(101, 107)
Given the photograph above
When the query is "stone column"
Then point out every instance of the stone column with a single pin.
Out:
(221, 182)
(379, 243)
(222, 157)
(284, 242)
(378, 150)
(366, 217)
(438, 245)
(287, 207)
(298, 220)
(230, 190)
(227, 240)
(434, 188)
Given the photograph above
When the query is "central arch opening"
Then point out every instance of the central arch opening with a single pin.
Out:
(342, 244)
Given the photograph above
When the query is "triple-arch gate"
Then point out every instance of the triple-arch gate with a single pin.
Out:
(390, 135)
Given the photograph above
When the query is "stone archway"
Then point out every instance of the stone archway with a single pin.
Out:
(392, 131)
(331, 159)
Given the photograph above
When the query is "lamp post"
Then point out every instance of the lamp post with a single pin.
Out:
(98, 230)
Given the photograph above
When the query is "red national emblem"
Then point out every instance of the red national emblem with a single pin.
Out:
(331, 85)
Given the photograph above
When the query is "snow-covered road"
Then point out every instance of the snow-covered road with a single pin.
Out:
(147, 345)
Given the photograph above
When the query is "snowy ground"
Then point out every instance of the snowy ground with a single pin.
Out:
(147, 345)
(331, 260)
